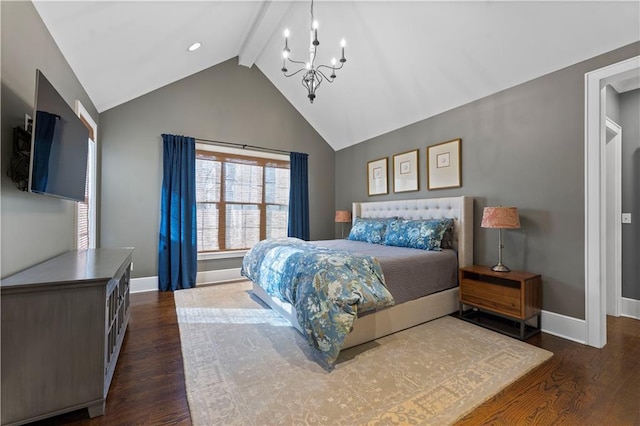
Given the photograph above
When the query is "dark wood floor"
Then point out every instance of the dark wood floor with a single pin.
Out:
(579, 385)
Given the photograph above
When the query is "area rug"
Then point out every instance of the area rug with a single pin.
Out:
(244, 365)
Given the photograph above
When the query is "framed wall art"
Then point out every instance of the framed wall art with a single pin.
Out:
(405, 171)
(377, 177)
(444, 165)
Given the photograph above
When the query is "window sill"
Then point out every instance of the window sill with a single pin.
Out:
(222, 255)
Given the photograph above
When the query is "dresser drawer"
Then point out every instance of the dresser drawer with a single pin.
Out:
(503, 299)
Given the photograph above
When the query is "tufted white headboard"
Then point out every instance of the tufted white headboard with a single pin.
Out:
(460, 209)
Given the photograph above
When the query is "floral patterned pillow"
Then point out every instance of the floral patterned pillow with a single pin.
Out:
(369, 230)
(420, 234)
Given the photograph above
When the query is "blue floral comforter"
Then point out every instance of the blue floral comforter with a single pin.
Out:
(327, 287)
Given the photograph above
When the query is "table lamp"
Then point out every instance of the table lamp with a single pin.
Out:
(343, 216)
(501, 218)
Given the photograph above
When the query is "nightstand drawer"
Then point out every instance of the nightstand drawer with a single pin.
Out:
(499, 298)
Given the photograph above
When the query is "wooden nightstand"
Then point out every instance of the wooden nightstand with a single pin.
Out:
(506, 302)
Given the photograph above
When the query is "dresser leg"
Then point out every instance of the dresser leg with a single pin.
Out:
(96, 409)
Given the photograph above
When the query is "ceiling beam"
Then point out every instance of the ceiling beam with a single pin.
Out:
(270, 15)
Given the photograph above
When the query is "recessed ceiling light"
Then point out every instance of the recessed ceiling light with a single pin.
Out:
(194, 46)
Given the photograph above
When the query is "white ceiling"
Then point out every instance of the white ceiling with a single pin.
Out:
(406, 61)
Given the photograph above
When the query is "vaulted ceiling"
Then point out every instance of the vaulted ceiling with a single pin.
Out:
(406, 61)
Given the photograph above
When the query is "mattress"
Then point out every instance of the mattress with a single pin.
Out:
(409, 273)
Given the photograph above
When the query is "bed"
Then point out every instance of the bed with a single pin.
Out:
(407, 313)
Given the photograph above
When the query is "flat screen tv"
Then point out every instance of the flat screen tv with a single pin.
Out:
(59, 146)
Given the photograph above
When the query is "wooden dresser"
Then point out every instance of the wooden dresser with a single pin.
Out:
(63, 323)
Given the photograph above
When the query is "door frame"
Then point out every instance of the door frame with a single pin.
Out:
(616, 210)
(595, 247)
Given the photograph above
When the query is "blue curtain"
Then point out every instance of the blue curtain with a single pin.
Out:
(45, 126)
(177, 249)
(299, 196)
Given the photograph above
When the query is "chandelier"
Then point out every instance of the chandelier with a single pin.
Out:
(314, 75)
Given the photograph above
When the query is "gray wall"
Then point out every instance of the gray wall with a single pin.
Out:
(227, 102)
(630, 123)
(34, 227)
(523, 147)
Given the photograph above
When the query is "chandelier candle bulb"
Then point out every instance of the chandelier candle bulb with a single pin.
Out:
(315, 33)
(286, 42)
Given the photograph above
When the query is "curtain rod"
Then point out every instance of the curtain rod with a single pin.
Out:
(243, 146)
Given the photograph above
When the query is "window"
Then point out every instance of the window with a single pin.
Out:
(86, 211)
(240, 199)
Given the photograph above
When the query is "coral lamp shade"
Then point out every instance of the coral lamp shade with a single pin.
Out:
(343, 216)
(500, 217)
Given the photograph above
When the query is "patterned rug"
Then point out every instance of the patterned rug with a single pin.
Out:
(244, 365)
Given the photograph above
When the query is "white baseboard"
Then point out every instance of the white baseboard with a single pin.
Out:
(564, 326)
(630, 308)
(218, 276)
(140, 285)
(576, 329)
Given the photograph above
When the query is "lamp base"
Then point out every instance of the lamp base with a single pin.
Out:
(500, 268)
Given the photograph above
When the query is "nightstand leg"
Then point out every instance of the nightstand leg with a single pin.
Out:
(539, 323)
(522, 327)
